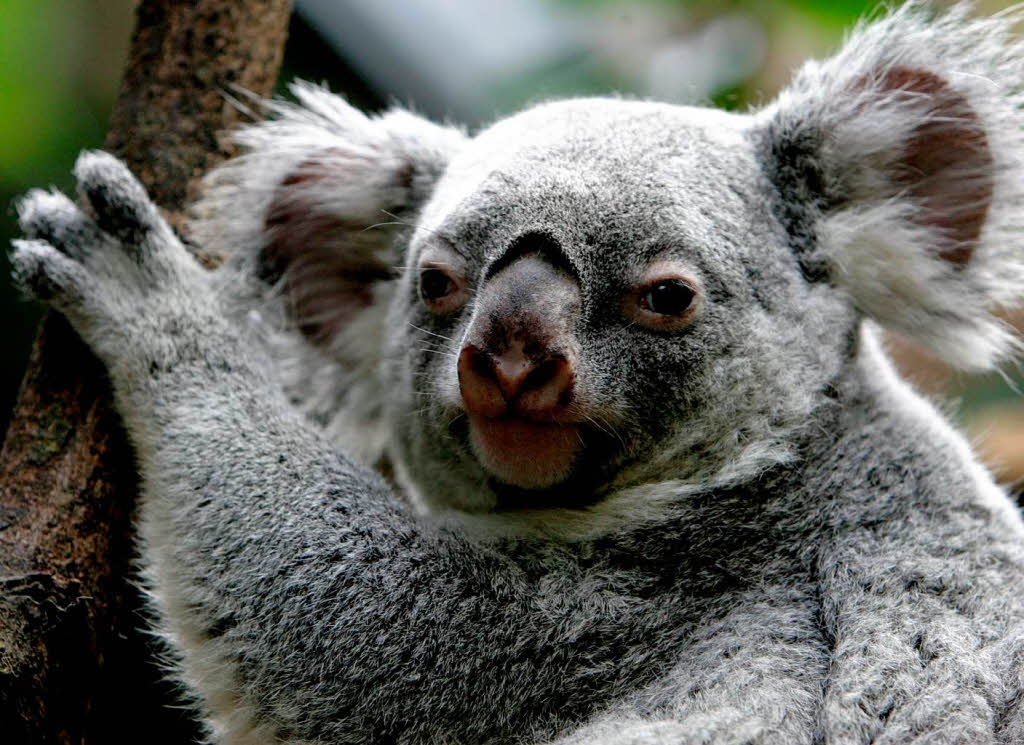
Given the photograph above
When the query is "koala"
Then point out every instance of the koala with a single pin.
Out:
(578, 430)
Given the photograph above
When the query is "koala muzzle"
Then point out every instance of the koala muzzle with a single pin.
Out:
(517, 374)
(517, 359)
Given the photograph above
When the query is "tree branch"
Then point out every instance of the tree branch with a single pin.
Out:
(73, 666)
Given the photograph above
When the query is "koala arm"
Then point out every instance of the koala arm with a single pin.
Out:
(920, 650)
(920, 585)
(752, 676)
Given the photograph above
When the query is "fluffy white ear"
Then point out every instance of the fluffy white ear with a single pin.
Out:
(898, 170)
(294, 216)
(299, 210)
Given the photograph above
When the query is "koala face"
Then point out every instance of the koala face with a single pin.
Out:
(597, 294)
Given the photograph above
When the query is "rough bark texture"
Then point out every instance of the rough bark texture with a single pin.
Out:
(73, 666)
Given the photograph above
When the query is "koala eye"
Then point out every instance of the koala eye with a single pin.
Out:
(671, 297)
(441, 289)
(435, 284)
(668, 300)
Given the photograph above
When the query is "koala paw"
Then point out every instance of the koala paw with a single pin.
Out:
(103, 264)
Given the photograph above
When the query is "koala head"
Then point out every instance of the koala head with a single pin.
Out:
(600, 293)
(597, 293)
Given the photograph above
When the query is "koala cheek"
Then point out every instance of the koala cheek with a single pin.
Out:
(446, 395)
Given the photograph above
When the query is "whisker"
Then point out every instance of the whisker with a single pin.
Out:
(382, 225)
(594, 422)
(442, 352)
(448, 241)
(454, 419)
(603, 425)
(439, 336)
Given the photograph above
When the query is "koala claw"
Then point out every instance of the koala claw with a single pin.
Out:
(117, 201)
(53, 218)
(45, 273)
(82, 256)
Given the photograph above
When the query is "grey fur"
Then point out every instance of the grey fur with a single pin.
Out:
(782, 543)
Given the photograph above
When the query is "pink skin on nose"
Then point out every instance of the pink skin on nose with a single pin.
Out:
(519, 428)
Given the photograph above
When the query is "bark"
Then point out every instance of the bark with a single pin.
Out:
(74, 666)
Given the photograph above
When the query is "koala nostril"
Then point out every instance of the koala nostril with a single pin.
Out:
(491, 383)
(481, 363)
(543, 375)
(478, 384)
(547, 388)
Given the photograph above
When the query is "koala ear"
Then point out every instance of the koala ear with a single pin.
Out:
(308, 208)
(897, 167)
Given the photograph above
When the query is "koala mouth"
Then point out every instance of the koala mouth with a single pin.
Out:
(525, 453)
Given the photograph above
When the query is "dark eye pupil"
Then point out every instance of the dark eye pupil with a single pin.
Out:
(434, 284)
(670, 298)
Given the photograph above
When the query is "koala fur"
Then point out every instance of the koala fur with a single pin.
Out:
(763, 534)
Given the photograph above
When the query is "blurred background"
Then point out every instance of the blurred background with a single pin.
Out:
(466, 61)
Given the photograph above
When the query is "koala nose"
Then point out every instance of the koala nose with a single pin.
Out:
(534, 386)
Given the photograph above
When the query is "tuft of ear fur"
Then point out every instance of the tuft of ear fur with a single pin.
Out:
(305, 219)
(300, 206)
(898, 169)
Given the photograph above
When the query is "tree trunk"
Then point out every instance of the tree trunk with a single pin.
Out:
(74, 667)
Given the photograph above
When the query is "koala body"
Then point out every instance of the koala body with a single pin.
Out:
(601, 447)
